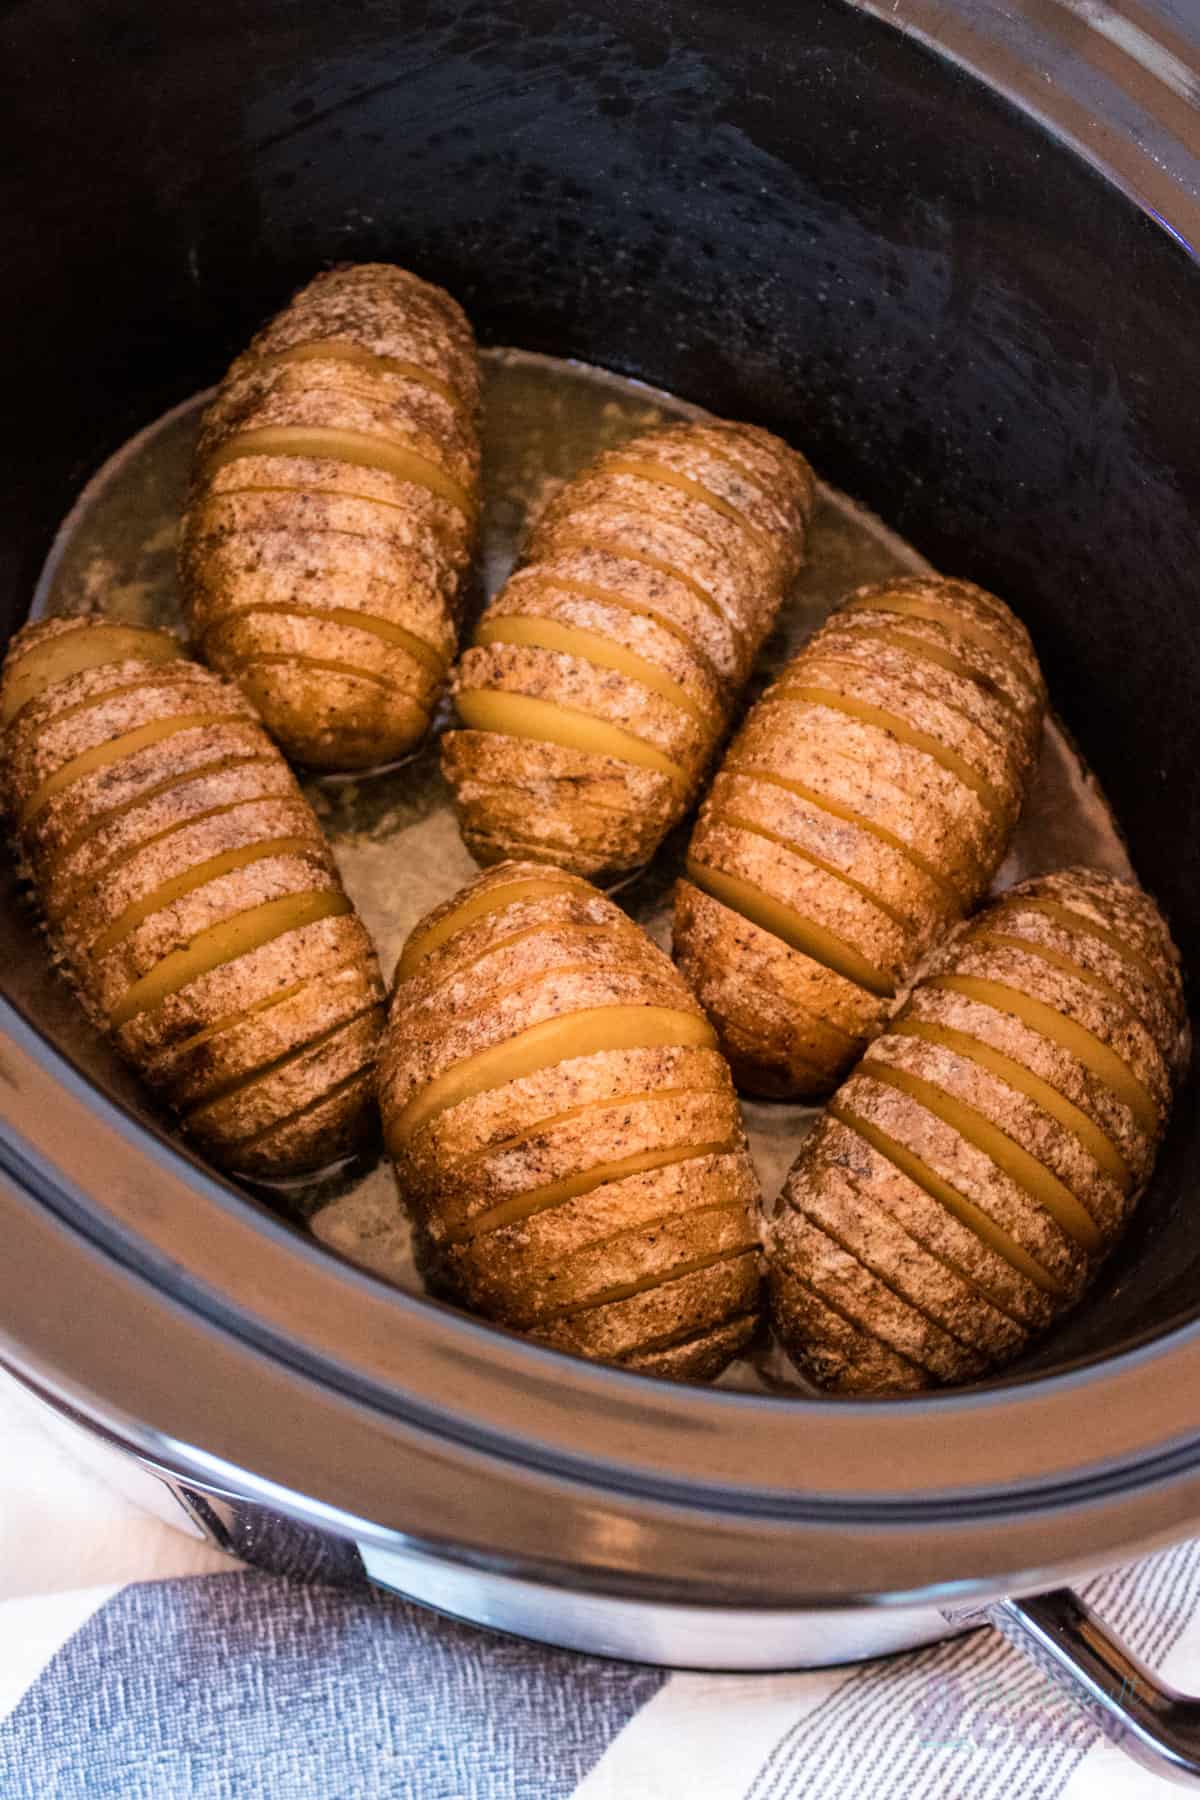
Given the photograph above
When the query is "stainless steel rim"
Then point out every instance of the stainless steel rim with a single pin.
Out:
(391, 1416)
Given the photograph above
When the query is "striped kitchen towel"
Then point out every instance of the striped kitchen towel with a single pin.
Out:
(138, 1664)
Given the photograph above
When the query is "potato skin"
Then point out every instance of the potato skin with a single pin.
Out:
(877, 1285)
(602, 1201)
(645, 591)
(329, 590)
(267, 1058)
(871, 791)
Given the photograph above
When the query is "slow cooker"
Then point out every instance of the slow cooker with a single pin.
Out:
(948, 250)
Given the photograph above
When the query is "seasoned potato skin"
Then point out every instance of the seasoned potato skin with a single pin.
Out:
(137, 850)
(645, 590)
(602, 1200)
(319, 573)
(871, 793)
(880, 1281)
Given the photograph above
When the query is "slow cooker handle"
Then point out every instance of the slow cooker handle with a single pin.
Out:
(1152, 1723)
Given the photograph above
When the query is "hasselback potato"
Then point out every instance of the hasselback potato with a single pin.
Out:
(965, 1184)
(189, 893)
(332, 514)
(602, 676)
(863, 807)
(565, 1130)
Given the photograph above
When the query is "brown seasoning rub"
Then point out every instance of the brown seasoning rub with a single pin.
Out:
(189, 894)
(603, 675)
(861, 810)
(565, 1131)
(967, 1181)
(333, 511)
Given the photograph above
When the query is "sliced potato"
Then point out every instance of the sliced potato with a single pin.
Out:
(807, 1020)
(972, 1174)
(521, 792)
(189, 892)
(648, 585)
(333, 512)
(863, 807)
(566, 1089)
(566, 1132)
(699, 1298)
(828, 1198)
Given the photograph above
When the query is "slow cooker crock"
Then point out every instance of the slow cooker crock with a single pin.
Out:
(948, 251)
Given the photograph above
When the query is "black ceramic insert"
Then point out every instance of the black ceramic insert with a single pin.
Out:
(789, 213)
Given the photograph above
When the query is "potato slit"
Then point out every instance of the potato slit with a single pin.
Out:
(565, 540)
(833, 1042)
(546, 722)
(911, 1230)
(672, 1217)
(858, 1325)
(338, 350)
(421, 944)
(954, 622)
(391, 633)
(627, 1290)
(662, 475)
(116, 750)
(896, 727)
(589, 805)
(198, 876)
(574, 1187)
(94, 877)
(531, 978)
(1099, 1146)
(552, 1041)
(569, 928)
(791, 928)
(967, 1213)
(58, 658)
(436, 526)
(536, 1127)
(739, 823)
(573, 640)
(229, 1020)
(846, 813)
(223, 943)
(608, 596)
(679, 1338)
(836, 659)
(1056, 959)
(1068, 1034)
(887, 1278)
(240, 1084)
(921, 1359)
(327, 666)
(543, 849)
(360, 449)
(102, 820)
(944, 659)
(1040, 1183)
(1076, 921)
(338, 1088)
(173, 678)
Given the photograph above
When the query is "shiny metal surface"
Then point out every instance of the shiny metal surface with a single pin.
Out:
(1141, 1715)
(1151, 1722)
(1116, 81)
(675, 1637)
(745, 1639)
(391, 1415)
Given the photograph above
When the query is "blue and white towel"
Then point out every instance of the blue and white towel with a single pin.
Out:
(139, 1664)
